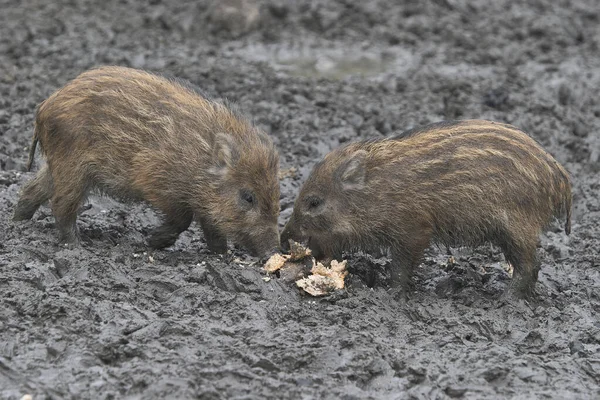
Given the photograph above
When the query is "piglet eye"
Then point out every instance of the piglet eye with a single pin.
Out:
(247, 196)
(314, 202)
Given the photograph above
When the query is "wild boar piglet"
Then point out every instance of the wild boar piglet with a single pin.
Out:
(138, 136)
(454, 183)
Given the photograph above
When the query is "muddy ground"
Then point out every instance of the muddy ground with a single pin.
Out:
(111, 320)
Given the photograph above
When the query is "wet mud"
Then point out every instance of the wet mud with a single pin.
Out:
(112, 319)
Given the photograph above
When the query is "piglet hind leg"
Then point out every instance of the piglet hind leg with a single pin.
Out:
(216, 242)
(175, 222)
(34, 194)
(522, 255)
(526, 267)
(69, 193)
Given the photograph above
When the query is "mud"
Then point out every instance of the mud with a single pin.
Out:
(112, 320)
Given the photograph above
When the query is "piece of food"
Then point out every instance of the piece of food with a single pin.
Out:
(275, 262)
(324, 280)
(508, 267)
(298, 251)
(292, 271)
(288, 173)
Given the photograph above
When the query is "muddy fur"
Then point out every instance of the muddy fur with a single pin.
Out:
(454, 183)
(141, 137)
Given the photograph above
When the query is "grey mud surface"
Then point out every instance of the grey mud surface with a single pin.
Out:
(111, 320)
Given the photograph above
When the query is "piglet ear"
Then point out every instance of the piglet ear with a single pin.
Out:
(353, 172)
(225, 151)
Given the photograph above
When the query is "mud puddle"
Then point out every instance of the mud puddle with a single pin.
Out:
(336, 62)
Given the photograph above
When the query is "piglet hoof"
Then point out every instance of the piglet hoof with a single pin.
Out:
(217, 247)
(69, 238)
(160, 240)
(522, 289)
(401, 287)
(24, 211)
(70, 244)
(215, 242)
(21, 216)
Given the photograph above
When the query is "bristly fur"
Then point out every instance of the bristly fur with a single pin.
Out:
(455, 183)
(139, 136)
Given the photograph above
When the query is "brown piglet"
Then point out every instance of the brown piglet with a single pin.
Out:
(454, 183)
(137, 136)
